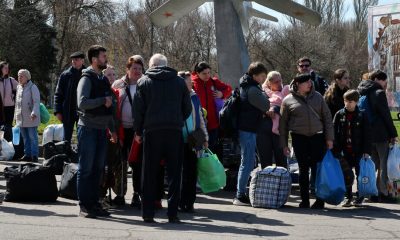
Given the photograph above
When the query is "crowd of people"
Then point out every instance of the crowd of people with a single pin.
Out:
(159, 109)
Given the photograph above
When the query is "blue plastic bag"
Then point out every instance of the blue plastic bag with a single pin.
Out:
(329, 184)
(16, 135)
(367, 178)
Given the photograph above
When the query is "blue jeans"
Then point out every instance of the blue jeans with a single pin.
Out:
(92, 149)
(247, 142)
(31, 143)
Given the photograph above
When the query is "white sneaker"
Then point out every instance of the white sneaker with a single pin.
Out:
(241, 201)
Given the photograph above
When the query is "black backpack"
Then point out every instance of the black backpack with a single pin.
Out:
(228, 116)
(30, 183)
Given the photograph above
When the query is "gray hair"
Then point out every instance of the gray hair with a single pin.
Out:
(158, 60)
(25, 73)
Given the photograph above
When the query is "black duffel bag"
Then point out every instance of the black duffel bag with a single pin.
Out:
(68, 181)
(30, 183)
(56, 163)
(51, 149)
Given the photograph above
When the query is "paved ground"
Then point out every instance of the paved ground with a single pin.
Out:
(215, 218)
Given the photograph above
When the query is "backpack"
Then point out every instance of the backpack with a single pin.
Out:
(228, 116)
(364, 104)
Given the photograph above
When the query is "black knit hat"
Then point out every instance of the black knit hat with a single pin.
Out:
(77, 55)
(300, 78)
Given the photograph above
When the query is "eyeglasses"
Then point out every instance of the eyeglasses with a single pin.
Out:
(304, 66)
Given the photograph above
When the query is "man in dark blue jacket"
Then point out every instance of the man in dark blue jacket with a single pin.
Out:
(382, 128)
(161, 104)
(65, 95)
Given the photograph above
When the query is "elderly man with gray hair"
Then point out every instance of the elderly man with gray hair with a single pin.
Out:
(160, 106)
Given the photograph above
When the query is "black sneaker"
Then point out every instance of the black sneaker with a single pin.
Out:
(358, 202)
(149, 220)
(318, 204)
(100, 211)
(87, 213)
(374, 199)
(136, 202)
(119, 201)
(241, 201)
(35, 159)
(174, 220)
(304, 204)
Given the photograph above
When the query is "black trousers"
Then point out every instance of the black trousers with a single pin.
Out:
(309, 151)
(269, 147)
(164, 144)
(189, 178)
(8, 120)
(137, 167)
(354, 162)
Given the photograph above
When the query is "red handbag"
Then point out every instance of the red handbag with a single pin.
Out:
(134, 152)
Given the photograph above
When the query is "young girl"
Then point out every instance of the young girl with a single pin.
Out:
(276, 92)
(27, 114)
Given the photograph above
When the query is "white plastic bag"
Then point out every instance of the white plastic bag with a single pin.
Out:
(393, 163)
(53, 132)
(7, 150)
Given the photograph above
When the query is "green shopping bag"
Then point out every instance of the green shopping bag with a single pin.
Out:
(210, 172)
(44, 114)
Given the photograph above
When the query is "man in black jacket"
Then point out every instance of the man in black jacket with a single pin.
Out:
(382, 127)
(65, 95)
(160, 106)
(304, 67)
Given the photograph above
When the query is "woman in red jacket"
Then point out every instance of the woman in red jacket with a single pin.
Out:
(210, 91)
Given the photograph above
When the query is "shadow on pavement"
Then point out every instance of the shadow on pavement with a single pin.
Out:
(366, 212)
(201, 221)
(32, 212)
(196, 225)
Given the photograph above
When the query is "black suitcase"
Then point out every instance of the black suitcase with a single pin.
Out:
(30, 183)
(68, 181)
(56, 163)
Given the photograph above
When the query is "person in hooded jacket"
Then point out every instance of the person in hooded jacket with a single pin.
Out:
(210, 91)
(307, 117)
(382, 127)
(160, 106)
(94, 102)
(254, 105)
